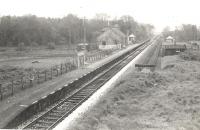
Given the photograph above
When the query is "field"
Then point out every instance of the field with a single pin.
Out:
(167, 99)
(16, 67)
(24, 69)
(17, 63)
(29, 57)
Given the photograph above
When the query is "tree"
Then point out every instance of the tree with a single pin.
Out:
(68, 30)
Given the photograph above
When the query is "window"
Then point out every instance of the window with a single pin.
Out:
(103, 42)
(116, 42)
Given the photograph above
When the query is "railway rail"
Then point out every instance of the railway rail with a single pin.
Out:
(60, 110)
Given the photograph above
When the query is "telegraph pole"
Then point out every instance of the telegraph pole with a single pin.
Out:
(84, 30)
(70, 35)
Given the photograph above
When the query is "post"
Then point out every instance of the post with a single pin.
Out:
(57, 71)
(38, 77)
(61, 67)
(83, 59)
(66, 67)
(78, 62)
(88, 59)
(45, 75)
(22, 82)
(31, 78)
(1, 92)
(84, 31)
(73, 62)
(51, 73)
(12, 87)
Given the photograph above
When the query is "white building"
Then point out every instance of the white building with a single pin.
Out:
(131, 39)
(170, 39)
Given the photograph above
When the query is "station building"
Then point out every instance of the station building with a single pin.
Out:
(111, 38)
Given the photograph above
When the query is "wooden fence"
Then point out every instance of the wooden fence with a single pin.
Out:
(94, 57)
(34, 78)
(38, 77)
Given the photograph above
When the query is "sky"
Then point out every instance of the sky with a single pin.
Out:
(160, 13)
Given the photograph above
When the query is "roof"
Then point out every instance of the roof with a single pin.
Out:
(118, 32)
(107, 35)
(82, 44)
(169, 38)
(131, 35)
(111, 34)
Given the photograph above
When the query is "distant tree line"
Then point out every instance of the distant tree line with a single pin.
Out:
(32, 30)
(184, 33)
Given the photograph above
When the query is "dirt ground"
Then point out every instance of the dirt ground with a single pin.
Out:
(167, 99)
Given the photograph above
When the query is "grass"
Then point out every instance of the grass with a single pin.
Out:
(15, 64)
(191, 55)
(118, 108)
(166, 99)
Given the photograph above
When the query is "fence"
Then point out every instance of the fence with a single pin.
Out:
(38, 77)
(94, 57)
(34, 78)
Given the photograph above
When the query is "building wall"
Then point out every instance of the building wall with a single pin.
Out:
(110, 47)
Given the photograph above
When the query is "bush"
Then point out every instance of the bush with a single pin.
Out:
(51, 45)
(190, 55)
(34, 44)
(21, 47)
(2, 49)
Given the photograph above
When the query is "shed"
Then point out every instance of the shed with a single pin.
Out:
(111, 38)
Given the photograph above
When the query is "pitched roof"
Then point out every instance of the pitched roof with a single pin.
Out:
(116, 30)
(131, 35)
(108, 34)
(169, 38)
(111, 33)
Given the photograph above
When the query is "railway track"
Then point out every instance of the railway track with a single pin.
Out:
(62, 109)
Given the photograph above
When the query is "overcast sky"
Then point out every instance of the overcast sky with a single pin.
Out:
(160, 13)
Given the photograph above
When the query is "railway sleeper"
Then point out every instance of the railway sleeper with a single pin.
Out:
(50, 118)
(37, 126)
(77, 98)
(83, 93)
(63, 106)
(45, 122)
(59, 111)
(55, 115)
(66, 104)
(88, 90)
(74, 101)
